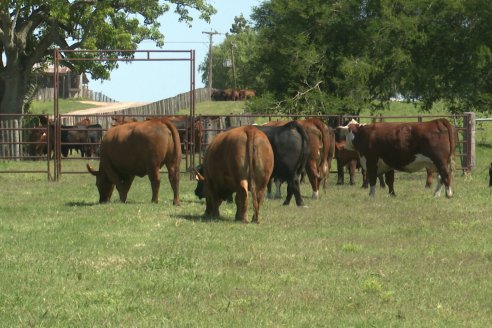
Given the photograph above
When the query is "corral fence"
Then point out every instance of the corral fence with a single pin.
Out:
(24, 140)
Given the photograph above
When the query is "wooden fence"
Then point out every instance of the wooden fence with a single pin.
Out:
(47, 94)
(16, 142)
(169, 106)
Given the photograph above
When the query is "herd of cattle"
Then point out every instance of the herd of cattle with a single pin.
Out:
(249, 158)
(232, 94)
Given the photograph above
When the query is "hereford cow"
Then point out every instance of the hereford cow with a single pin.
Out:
(408, 147)
(138, 149)
(290, 145)
(236, 161)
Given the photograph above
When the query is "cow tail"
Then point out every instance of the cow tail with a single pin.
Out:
(328, 147)
(452, 145)
(305, 146)
(250, 151)
(176, 140)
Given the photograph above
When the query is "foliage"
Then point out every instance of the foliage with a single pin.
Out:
(231, 60)
(363, 53)
(30, 30)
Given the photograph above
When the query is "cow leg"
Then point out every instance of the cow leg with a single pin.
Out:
(339, 173)
(257, 199)
(242, 202)
(390, 179)
(428, 180)
(312, 172)
(155, 183)
(372, 171)
(293, 189)
(278, 192)
(352, 167)
(269, 189)
(212, 207)
(173, 175)
(124, 187)
(381, 181)
(444, 178)
(365, 180)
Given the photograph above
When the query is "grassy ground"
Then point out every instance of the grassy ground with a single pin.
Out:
(64, 105)
(345, 261)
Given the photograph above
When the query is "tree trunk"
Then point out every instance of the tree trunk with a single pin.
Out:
(15, 83)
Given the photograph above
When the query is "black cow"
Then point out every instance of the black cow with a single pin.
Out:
(94, 136)
(74, 137)
(291, 151)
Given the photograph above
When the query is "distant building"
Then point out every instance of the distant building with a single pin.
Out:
(70, 84)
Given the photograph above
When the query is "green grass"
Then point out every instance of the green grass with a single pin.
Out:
(345, 261)
(217, 108)
(64, 106)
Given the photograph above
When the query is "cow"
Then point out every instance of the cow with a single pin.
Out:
(182, 123)
(408, 147)
(237, 160)
(351, 160)
(138, 149)
(321, 152)
(94, 137)
(291, 150)
(74, 137)
(246, 94)
(122, 119)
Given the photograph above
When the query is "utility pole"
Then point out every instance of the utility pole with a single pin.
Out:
(210, 35)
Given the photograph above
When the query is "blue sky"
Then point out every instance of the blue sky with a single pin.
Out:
(156, 80)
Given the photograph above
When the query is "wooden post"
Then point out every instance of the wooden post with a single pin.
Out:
(469, 145)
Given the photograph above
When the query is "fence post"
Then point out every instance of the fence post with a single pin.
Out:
(469, 145)
(17, 140)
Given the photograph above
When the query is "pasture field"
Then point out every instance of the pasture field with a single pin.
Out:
(346, 260)
(64, 106)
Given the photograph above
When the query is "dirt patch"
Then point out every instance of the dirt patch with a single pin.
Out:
(103, 107)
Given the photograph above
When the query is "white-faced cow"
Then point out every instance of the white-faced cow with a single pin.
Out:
(237, 160)
(138, 149)
(408, 147)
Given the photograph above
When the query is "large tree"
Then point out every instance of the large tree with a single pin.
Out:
(331, 56)
(31, 29)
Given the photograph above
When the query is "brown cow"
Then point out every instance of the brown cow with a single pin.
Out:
(122, 119)
(236, 160)
(246, 94)
(182, 123)
(409, 147)
(138, 149)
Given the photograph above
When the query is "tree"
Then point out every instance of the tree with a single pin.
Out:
(333, 56)
(30, 29)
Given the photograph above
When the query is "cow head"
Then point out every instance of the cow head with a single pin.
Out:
(200, 179)
(348, 132)
(104, 185)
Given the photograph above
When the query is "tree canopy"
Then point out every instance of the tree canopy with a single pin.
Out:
(333, 56)
(31, 29)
